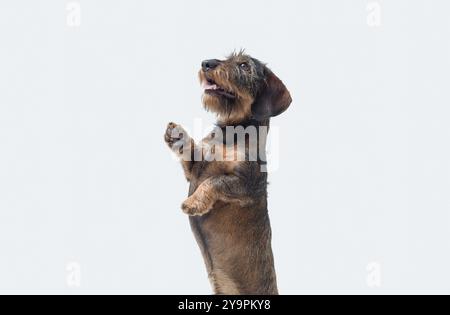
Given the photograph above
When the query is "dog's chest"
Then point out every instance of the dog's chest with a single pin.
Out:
(216, 161)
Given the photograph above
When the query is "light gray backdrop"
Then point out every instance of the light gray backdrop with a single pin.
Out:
(90, 196)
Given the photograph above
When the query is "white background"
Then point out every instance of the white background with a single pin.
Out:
(85, 177)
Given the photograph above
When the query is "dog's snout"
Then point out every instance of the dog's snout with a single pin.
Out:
(210, 64)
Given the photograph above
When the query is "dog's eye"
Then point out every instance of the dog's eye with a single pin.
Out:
(245, 66)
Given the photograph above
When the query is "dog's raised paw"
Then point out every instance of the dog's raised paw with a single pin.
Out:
(194, 207)
(170, 135)
(175, 137)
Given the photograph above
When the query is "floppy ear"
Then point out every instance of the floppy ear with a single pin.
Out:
(273, 99)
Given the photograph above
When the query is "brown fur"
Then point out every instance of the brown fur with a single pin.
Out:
(227, 201)
(241, 111)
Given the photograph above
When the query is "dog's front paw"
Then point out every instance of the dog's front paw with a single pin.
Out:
(176, 137)
(195, 207)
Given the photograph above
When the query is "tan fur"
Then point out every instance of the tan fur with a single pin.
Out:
(242, 110)
(227, 201)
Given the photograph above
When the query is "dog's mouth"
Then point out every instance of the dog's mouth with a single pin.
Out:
(212, 88)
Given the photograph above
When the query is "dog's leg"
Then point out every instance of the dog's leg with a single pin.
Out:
(227, 188)
(182, 145)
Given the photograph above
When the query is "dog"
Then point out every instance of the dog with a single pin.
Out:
(227, 203)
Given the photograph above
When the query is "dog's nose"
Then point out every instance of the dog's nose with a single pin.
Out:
(210, 64)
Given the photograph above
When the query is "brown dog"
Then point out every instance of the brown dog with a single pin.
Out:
(227, 201)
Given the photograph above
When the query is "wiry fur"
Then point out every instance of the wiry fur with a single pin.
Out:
(227, 201)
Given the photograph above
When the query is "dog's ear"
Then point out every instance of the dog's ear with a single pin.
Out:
(273, 99)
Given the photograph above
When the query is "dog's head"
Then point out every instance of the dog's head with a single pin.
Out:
(242, 88)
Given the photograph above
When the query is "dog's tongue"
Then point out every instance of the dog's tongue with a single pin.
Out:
(208, 86)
